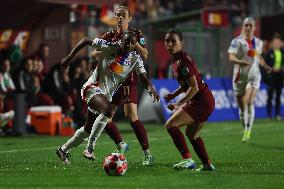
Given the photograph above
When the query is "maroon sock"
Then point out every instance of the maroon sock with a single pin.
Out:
(200, 150)
(141, 134)
(113, 132)
(179, 141)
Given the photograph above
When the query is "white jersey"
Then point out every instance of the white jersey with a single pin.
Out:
(112, 70)
(249, 51)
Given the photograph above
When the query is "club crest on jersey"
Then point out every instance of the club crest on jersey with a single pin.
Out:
(252, 53)
(142, 41)
(119, 63)
(252, 48)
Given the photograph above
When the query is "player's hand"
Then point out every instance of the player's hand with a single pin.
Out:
(169, 97)
(173, 106)
(268, 69)
(245, 63)
(65, 62)
(153, 93)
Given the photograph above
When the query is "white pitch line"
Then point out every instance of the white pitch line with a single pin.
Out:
(208, 133)
(55, 147)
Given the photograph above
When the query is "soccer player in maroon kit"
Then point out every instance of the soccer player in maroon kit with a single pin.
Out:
(193, 109)
(127, 93)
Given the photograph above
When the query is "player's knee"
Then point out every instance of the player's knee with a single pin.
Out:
(188, 133)
(106, 110)
(192, 136)
(131, 116)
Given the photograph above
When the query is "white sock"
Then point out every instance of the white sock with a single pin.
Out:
(97, 129)
(243, 117)
(76, 140)
(250, 119)
(120, 145)
(147, 152)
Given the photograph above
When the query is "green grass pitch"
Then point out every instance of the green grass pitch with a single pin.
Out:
(30, 162)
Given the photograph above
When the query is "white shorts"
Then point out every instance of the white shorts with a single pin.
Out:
(89, 90)
(241, 85)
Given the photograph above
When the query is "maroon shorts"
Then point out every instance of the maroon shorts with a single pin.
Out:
(125, 94)
(201, 108)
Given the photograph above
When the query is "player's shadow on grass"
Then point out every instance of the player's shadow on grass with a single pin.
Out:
(267, 147)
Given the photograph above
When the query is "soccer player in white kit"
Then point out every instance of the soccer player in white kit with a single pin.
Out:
(118, 61)
(245, 53)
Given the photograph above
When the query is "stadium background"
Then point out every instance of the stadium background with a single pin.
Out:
(28, 160)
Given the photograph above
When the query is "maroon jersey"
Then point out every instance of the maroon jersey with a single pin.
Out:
(113, 36)
(184, 67)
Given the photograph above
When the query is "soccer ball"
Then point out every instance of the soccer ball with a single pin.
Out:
(115, 164)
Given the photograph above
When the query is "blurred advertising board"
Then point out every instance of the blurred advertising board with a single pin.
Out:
(226, 108)
(14, 37)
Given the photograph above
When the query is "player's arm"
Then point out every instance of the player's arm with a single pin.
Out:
(142, 50)
(233, 51)
(189, 94)
(148, 86)
(170, 96)
(141, 72)
(264, 65)
(141, 46)
(84, 42)
(233, 58)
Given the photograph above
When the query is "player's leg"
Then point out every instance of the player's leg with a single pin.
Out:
(130, 110)
(111, 128)
(113, 132)
(250, 96)
(239, 90)
(77, 139)
(98, 103)
(178, 119)
(131, 113)
(192, 133)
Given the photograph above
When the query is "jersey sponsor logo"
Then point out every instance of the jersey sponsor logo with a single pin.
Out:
(120, 64)
(98, 91)
(100, 42)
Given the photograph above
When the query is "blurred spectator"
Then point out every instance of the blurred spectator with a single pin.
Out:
(58, 86)
(6, 117)
(275, 59)
(27, 82)
(7, 88)
(38, 68)
(152, 9)
(7, 84)
(79, 74)
(42, 55)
